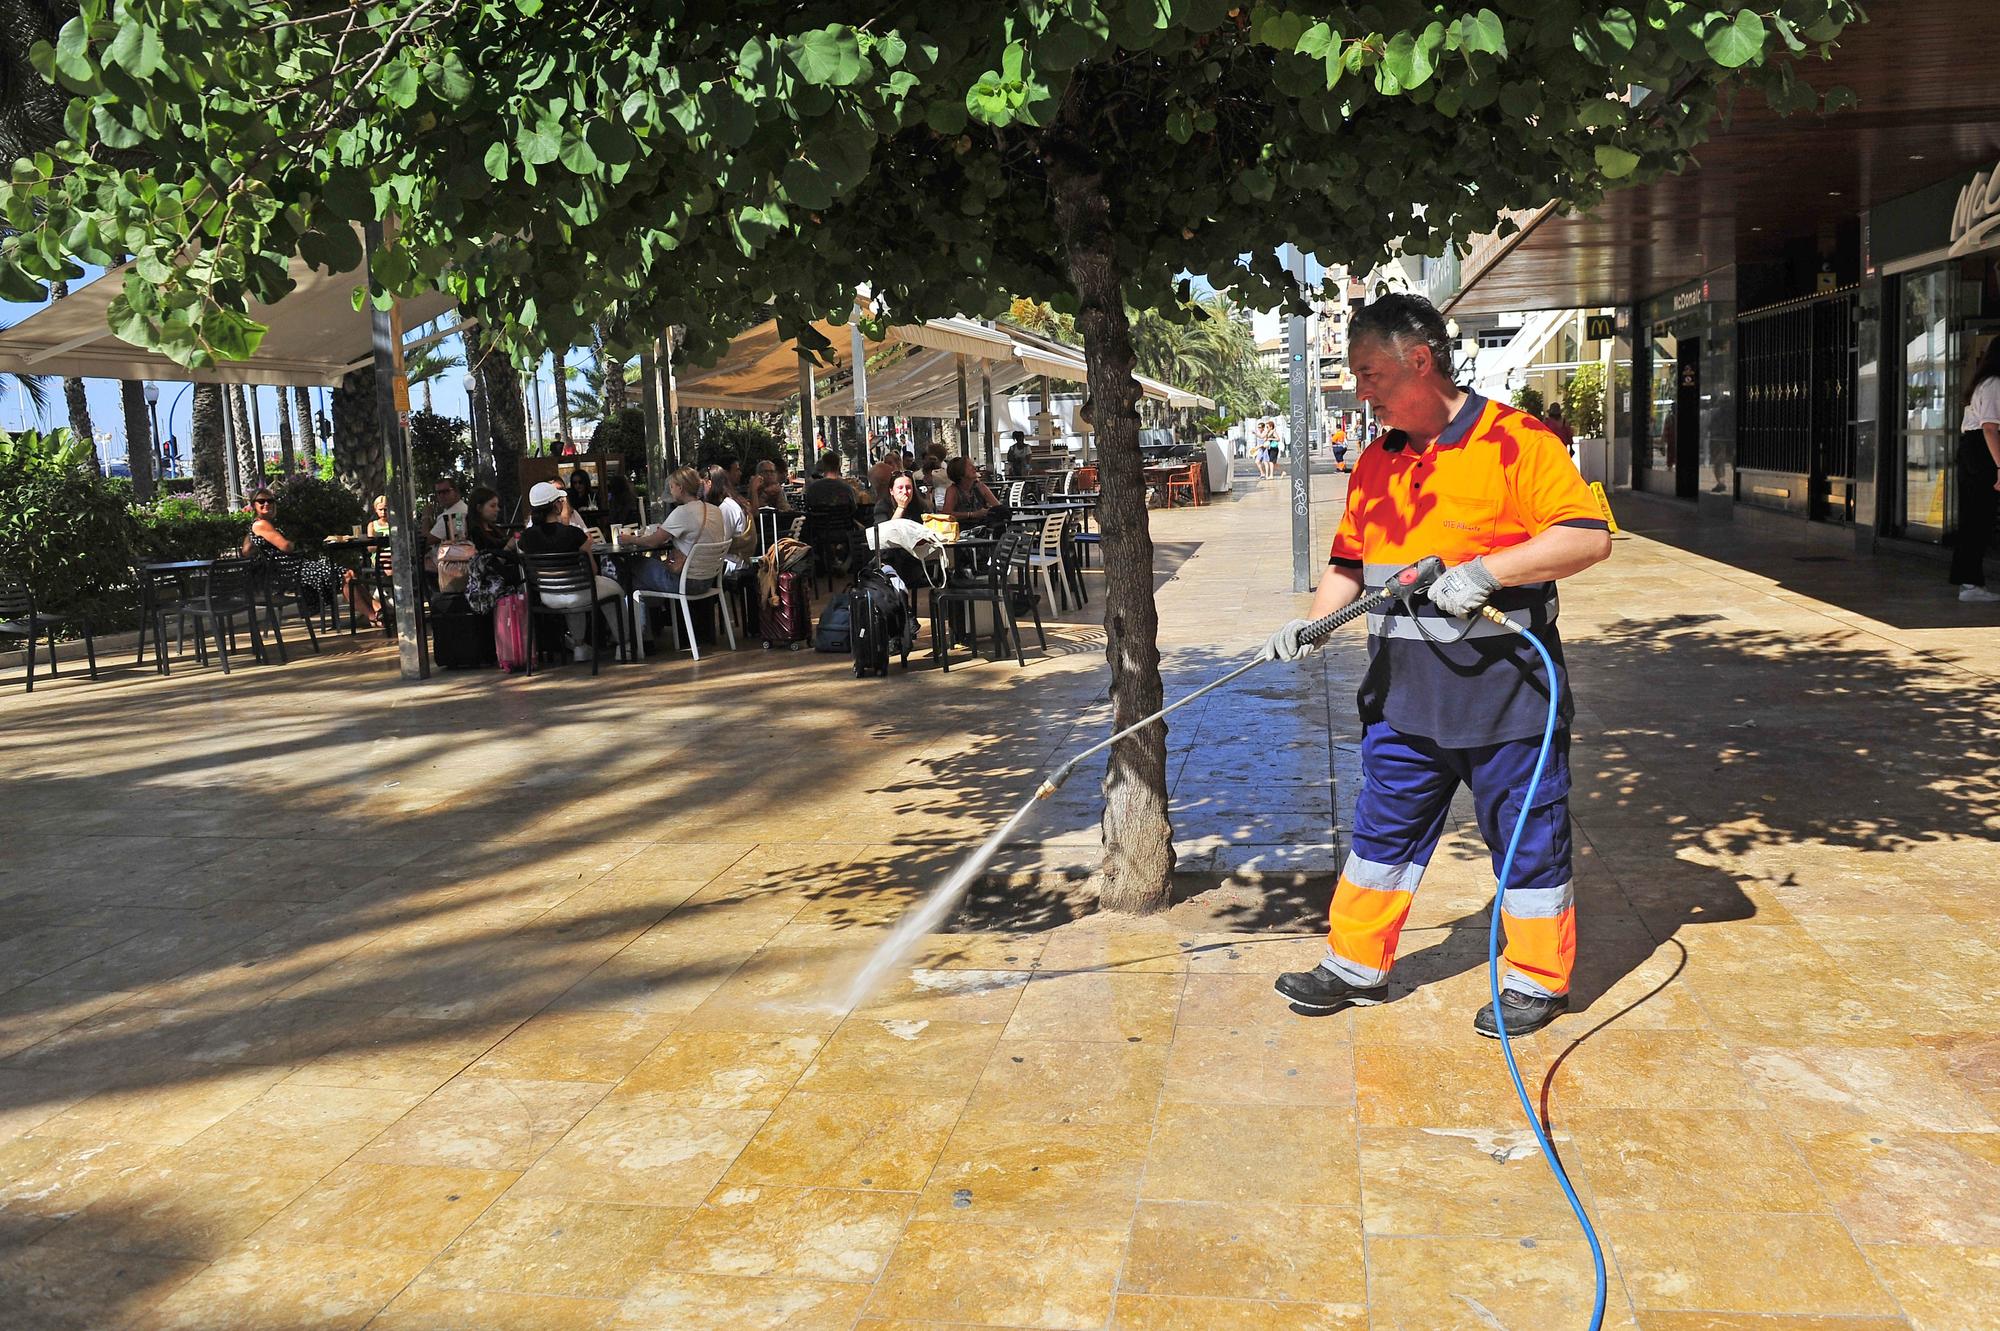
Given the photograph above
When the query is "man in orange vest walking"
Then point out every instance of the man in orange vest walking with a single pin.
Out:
(1448, 698)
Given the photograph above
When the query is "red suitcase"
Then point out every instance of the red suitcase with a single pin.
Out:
(788, 622)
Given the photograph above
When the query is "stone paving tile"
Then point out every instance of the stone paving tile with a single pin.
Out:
(288, 1041)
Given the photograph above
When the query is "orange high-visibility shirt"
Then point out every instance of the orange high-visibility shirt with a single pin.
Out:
(1493, 478)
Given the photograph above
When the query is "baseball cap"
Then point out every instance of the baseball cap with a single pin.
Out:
(545, 492)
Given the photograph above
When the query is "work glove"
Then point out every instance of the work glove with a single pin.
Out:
(1285, 644)
(1461, 591)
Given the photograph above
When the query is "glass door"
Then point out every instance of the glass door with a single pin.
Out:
(1930, 434)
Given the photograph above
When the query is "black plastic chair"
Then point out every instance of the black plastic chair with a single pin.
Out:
(835, 538)
(221, 592)
(570, 575)
(20, 619)
(275, 581)
(1004, 577)
(161, 591)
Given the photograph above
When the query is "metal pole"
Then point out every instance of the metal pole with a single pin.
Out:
(649, 404)
(256, 432)
(964, 413)
(1297, 348)
(992, 430)
(860, 347)
(392, 414)
(807, 407)
(673, 401)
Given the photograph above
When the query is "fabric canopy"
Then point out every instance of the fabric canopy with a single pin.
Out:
(315, 336)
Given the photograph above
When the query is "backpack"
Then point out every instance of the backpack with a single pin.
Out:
(834, 633)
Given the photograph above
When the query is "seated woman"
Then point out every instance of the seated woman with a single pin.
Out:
(901, 501)
(694, 521)
(494, 571)
(551, 533)
(620, 506)
(482, 521)
(966, 497)
(379, 524)
(315, 576)
(580, 497)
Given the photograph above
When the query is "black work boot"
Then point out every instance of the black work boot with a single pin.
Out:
(1525, 1014)
(1321, 990)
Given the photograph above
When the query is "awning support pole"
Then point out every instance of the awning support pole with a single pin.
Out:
(964, 412)
(649, 403)
(992, 430)
(808, 408)
(392, 405)
(860, 348)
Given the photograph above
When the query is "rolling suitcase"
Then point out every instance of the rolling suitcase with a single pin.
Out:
(510, 632)
(789, 622)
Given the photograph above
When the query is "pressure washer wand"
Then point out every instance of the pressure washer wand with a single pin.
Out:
(1407, 583)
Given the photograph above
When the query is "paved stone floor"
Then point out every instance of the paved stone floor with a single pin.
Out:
(329, 1002)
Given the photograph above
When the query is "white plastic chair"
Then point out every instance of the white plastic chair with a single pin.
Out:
(1047, 559)
(704, 563)
(1017, 492)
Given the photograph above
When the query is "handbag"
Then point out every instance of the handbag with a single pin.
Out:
(454, 561)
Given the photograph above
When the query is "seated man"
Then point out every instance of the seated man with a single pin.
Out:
(831, 489)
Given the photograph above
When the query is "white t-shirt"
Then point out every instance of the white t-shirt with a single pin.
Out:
(687, 523)
(457, 515)
(1984, 409)
(733, 513)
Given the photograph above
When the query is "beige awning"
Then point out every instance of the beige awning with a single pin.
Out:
(760, 370)
(315, 336)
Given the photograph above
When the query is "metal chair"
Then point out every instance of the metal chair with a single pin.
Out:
(567, 574)
(20, 619)
(704, 564)
(221, 592)
(994, 585)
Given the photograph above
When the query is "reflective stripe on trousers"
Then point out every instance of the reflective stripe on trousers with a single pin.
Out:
(1407, 783)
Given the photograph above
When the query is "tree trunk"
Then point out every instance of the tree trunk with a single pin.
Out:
(562, 395)
(308, 441)
(1138, 838)
(506, 421)
(249, 463)
(211, 488)
(75, 400)
(287, 456)
(610, 376)
(358, 463)
(138, 437)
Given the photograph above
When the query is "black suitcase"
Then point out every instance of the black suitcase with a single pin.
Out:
(461, 639)
(876, 618)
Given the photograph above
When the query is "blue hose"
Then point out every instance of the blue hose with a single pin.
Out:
(1493, 976)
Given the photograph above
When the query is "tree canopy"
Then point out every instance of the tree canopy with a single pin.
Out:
(545, 159)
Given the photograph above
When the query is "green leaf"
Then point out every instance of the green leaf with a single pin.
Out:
(1737, 43)
(539, 143)
(829, 56)
(497, 158)
(1602, 114)
(1484, 32)
(449, 78)
(576, 154)
(1615, 162)
(72, 64)
(401, 81)
(946, 117)
(136, 49)
(1839, 99)
(1180, 125)
(806, 185)
(1317, 40)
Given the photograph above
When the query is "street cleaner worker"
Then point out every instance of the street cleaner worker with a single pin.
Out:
(1492, 493)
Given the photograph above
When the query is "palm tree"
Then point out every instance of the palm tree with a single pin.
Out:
(429, 363)
(33, 388)
(138, 437)
(302, 400)
(31, 108)
(206, 448)
(562, 392)
(611, 374)
(75, 400)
